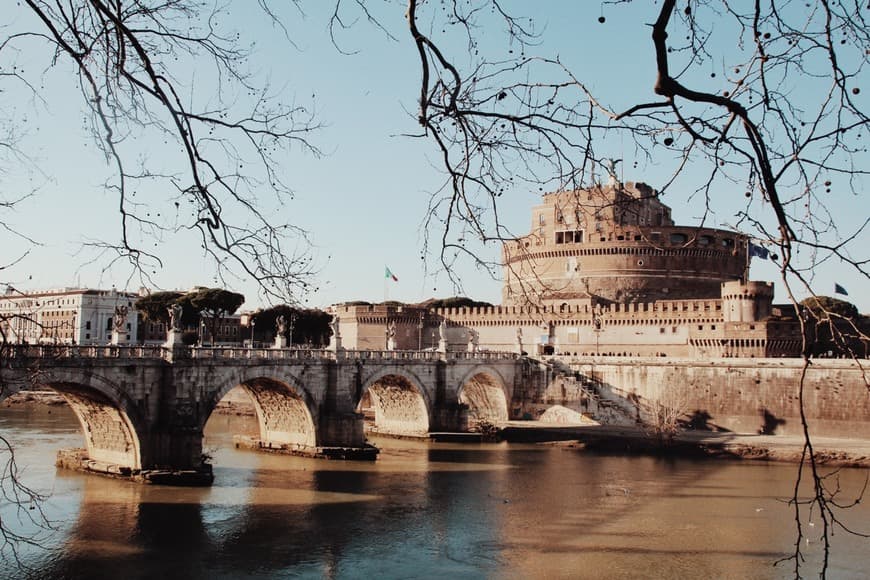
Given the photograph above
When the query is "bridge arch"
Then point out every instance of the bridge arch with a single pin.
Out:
(285, 410)
(483, 390)
(111, 423)
(395, 403)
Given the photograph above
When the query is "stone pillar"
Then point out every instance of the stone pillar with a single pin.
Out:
(280, 341)
(173, 339)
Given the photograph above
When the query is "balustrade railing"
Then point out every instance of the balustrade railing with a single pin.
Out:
(52, 351)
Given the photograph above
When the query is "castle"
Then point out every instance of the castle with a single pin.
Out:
(603, 271)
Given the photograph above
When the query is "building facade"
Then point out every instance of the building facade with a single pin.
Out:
(603, 271)
(68, 316)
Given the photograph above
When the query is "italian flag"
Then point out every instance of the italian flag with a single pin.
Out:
(389, 274)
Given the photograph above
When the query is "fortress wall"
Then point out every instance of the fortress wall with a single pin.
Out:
(652, 312)
(735, 391)
(626, 329)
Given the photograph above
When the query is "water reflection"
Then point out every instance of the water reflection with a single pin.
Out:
(423, 510)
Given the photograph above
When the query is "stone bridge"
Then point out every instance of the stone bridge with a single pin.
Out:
(143, 409)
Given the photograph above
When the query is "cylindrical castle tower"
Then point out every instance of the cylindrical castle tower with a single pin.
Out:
(746, 302)
(617, 243)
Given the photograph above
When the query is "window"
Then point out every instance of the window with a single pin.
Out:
(88, 325)
(728, 242)
(705, 240)
(678, 238)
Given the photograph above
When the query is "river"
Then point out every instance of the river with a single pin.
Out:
(422, 510)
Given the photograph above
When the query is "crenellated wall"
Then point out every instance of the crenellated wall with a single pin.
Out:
(672, 328)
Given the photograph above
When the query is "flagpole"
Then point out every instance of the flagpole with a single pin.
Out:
(748, 258)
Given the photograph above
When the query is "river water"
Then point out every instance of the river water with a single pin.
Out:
(422, 510)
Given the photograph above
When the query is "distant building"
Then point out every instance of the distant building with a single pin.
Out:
(604, 271)
(66, 316)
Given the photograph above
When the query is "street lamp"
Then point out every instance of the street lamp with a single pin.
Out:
(253, 324)
(290, 334)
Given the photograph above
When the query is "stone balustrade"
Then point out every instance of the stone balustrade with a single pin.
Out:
(24, 351)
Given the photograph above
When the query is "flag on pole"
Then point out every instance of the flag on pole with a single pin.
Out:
(389, 274)
(840, 290)
(758, 251)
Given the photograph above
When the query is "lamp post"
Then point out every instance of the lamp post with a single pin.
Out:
(253, 324)
(290, 334)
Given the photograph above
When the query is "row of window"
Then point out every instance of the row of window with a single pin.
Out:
(610, 251)
(676, 238)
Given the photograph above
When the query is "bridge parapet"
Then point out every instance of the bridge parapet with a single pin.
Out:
(423, 355)
(260, 353)
(45, 351)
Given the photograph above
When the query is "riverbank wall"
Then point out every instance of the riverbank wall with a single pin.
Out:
(739, 395)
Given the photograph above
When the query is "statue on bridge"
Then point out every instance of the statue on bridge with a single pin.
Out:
(335, 339)
(119, 319)
(473, 340)
(391, 335)
(281, 332)
(442, 336)
(119, 323)
(175, 312)
(520, 339)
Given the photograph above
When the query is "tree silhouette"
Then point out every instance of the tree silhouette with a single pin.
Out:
(129, 59)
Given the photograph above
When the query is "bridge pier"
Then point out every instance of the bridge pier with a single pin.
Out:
(341, 437)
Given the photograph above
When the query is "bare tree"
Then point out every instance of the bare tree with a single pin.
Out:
(133, 62)
(764, 97)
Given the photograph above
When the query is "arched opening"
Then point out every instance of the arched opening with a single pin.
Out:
(393, 405)
(111, 441)
(282, 414)
(484, 396)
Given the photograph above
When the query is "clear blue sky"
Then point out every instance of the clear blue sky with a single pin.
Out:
(364, 201)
